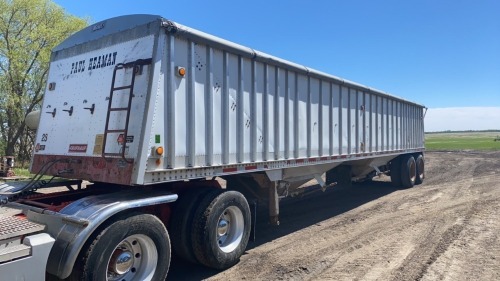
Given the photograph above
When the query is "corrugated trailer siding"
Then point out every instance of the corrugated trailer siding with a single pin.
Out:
(232, 109)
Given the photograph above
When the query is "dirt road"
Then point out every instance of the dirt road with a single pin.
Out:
(445, 229)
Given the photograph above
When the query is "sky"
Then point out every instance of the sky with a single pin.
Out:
(444, 54)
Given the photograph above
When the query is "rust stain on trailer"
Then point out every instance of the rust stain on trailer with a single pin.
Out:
(112, 170)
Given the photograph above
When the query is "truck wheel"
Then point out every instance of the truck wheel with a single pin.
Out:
(408, 171)
(182, 221)
(396, 171)
(221, 229)
(420, 169)
(132, 248)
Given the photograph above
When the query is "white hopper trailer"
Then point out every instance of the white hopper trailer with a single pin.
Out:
(152, 113)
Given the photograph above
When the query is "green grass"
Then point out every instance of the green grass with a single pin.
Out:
(21, 172)
(484, 141)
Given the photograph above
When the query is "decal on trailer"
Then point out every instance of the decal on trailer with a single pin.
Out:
(99, 138)
(121, 139)
(39, 147)
(77, 67)
(77, 148)
(94, 62)
(98, 26)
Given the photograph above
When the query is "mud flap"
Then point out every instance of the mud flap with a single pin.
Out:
(253, 211)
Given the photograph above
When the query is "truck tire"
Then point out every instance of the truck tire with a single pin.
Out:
(180, 226)
(408, 171)
(420, 169)
(132, 248)
(396, 171)
(221, 229)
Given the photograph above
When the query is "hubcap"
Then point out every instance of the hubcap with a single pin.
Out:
(135, 258)
(230, 228)
(123, 261)
(223, 227)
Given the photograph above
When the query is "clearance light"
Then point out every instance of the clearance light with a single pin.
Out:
(159, 150)
(181, 71)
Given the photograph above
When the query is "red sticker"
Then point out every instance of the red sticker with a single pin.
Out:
(77, 148)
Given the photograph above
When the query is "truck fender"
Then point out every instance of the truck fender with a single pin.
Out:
(75, 223)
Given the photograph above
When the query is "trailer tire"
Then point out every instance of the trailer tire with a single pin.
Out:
(396, 171)
(408, 171)
(181, 223)
(221, 229)
(134, 247)
(420, 165)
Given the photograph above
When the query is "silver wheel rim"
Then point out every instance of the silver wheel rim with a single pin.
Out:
(134, 258)
(420, 168)
(413, 171)
(229, 229)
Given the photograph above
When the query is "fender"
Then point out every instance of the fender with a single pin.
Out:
(75, 223)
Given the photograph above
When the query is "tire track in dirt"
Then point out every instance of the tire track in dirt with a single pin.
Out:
(474, 255)
(345, 257)
(349, 239)
(416, 264)
(446, 228)
(354, 238)
(408, 271)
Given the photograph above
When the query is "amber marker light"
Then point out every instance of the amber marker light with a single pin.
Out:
(181, 71)
(159, 150)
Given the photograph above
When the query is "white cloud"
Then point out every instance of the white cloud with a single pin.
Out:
(462, 118)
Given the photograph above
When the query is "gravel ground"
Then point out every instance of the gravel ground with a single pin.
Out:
(445, 229)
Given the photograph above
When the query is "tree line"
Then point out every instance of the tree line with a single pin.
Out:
(29, 29)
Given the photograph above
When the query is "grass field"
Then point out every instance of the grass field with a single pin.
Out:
(462, 141)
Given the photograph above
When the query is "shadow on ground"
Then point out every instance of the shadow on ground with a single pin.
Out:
(295, 214)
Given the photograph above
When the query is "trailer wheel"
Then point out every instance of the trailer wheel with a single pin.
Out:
(396, 171)
(182, 222)
(221, 229)
(408, 171)
(420, 169)
(132, 248)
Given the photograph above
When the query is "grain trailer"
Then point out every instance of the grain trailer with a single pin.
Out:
(152, 114)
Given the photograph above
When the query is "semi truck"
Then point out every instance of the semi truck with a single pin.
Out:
(163, 138)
